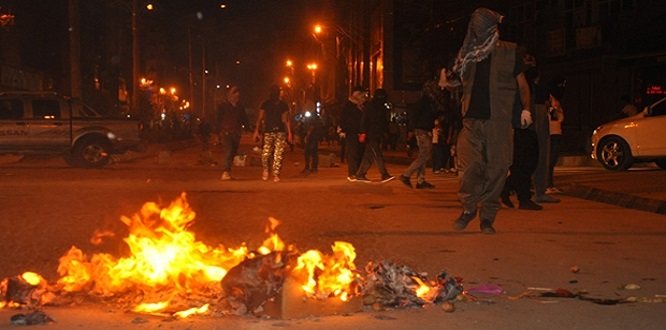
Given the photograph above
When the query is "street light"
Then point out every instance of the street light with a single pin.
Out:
(348, 56)
(313, 67)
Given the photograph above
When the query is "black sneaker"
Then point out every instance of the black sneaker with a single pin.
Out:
(529, 205)
(487, 227)
(424, 185)
(463, 220)
(363, 179)
(405, 181)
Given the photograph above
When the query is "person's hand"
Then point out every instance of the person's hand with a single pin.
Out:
(410, 135)
(361, 138)
(342, 135)
(525, 119)
(255, 136)
(290, 137)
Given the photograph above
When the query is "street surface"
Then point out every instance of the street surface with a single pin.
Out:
(47, 207)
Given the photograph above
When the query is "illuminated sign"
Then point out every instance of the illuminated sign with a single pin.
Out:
(655, 90)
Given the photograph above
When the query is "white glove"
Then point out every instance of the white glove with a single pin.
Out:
(525, 119)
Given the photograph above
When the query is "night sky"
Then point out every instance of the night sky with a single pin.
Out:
(261, 34)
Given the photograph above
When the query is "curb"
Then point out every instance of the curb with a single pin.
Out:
(618, 199)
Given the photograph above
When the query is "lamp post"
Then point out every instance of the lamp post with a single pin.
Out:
(135, 61)
(204, 72)
(134, 109)
(341, 49)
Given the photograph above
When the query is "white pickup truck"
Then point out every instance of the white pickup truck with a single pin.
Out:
(48, 123)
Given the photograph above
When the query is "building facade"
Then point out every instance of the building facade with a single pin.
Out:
(602, 48)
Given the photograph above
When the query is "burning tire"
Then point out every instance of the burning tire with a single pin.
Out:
(91, 152)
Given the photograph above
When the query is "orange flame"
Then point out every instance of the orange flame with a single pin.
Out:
(328, 275)
(164, 256)
(166, 259)
(422, 290)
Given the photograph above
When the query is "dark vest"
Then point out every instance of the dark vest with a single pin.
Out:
(502, 82)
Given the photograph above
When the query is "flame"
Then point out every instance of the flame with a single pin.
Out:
(273, 242)
(166, 260)
(151, 307)
(33, 279)
(328, 275)
(192, 311)
(163, 256)
(423, 289)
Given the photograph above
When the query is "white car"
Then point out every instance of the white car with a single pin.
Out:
(640, 138)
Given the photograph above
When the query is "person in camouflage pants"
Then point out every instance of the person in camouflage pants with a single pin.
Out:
(274, 114)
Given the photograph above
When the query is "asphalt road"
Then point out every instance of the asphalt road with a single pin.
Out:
(47, 207)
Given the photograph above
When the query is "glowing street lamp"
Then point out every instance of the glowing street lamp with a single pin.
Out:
(313, 67)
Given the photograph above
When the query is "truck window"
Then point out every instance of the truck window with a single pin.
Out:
(11, 109)
(46, 109)
(81, 110)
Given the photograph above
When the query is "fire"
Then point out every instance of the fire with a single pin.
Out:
(328, 275)
(165, 262)
(31, 278)
(422, 290)
(164, 256)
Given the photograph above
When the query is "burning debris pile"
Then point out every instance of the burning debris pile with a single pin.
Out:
(168, 272)
(388, 284)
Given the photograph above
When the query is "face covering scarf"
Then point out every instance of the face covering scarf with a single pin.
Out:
(482, 35)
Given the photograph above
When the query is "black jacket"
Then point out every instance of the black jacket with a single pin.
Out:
(374, 122)
(423, 115)
(350, 118)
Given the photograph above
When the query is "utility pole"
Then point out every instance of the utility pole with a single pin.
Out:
(191, 74)
(134, 109)
(203, 77)
(74, 50)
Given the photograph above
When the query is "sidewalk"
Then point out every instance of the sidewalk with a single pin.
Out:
(642, 188)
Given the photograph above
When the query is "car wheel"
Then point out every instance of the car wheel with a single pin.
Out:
(92, 152)
(613, 153)
(661, 163)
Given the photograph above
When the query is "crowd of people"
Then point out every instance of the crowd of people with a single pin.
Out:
(488, 119)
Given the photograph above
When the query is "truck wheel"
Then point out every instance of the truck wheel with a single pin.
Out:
(92, 152)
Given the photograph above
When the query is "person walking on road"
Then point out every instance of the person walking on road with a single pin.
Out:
(311, 135)
(350, 124)
(231, 120)
(374, 127)
(491, 73)
(421, 124)
(274, 113)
